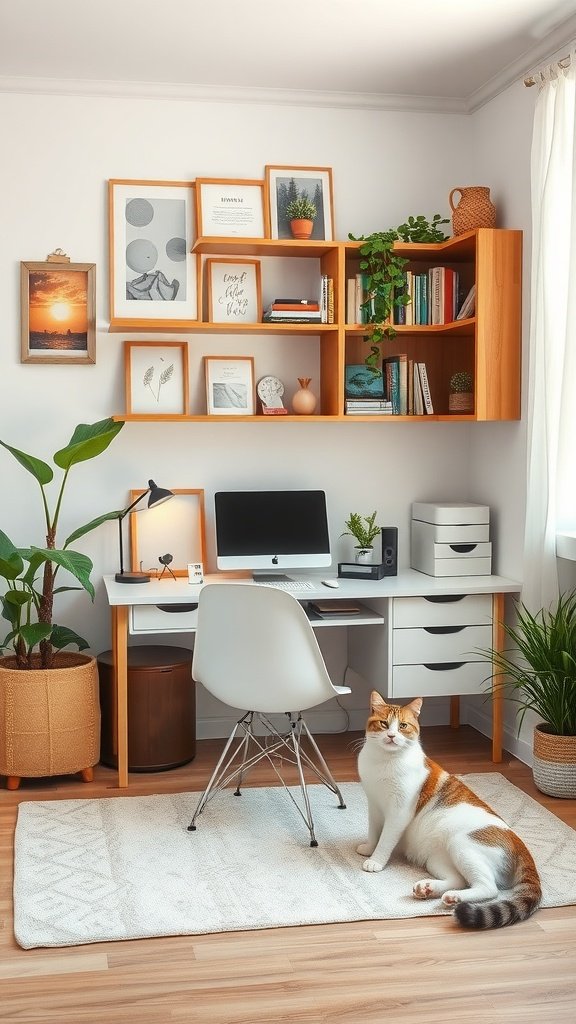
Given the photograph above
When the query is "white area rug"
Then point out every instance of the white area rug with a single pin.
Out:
(127, 868)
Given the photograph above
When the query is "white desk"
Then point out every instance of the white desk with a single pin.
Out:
(373, 658)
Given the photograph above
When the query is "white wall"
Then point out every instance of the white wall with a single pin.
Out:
(59, 153)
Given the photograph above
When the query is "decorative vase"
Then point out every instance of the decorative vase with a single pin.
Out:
(461, 401)
(364, 555)
(301, 228)
(474, 210)
(554, 763)
(49, 718)
(304, 400)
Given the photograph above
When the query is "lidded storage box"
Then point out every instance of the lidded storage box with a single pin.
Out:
(451, 538)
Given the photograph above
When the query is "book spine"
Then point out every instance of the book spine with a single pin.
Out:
(351, 300)
(427, 397)
(330, 300)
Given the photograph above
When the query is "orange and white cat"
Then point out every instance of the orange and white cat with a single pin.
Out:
(432, 819)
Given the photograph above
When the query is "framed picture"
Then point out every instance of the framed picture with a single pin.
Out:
(58, 312)
(229, 385)
(156, 377)
(234, 291)
(163, 540)
(153, 274)
(230, 207)
(286, 184)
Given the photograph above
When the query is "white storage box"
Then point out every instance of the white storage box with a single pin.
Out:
(450, 513)
(443, 543)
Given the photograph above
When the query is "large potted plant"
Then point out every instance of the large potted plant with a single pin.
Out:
(364, 530)
(539, 674)
(49, 705)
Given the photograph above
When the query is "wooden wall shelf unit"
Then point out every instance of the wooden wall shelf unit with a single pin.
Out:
(488, 345)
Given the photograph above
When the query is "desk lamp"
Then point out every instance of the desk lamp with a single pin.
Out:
(157, 495)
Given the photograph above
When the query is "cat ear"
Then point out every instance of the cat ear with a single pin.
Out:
(415, 706)
(376, 701)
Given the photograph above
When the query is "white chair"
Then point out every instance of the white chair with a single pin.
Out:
(256, 651)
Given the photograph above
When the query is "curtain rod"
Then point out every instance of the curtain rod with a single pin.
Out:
(564, 63)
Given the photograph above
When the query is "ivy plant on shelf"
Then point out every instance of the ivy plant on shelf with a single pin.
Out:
(385, 280)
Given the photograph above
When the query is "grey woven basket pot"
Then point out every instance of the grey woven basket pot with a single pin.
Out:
(554, 765)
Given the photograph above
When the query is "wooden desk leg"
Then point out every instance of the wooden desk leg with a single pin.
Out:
(120, 651)
(454, 712)
(498, 641)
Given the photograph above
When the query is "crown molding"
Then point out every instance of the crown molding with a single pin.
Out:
(221, 94)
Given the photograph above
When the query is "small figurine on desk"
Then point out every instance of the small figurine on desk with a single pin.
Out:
(165, 561)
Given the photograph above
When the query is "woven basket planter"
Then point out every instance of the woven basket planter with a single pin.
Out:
(554, 765)
(49, 718)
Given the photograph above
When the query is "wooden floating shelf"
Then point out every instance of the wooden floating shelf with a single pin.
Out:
(208, 246)
(289, 418)
(198, 327)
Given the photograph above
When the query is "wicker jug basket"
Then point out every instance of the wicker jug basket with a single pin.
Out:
(554, 764)
(474, 210)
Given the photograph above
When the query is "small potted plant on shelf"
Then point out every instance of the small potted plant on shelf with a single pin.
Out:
(49, 701)
(364, 530)
(461, 396)
(538, 673)
(301, 212)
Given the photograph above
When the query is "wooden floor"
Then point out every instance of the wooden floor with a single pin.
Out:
(420, 971)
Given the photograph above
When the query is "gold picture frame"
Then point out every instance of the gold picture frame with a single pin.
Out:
(58, 312)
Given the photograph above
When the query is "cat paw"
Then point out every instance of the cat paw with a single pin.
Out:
(424, 889)
(451, 898)
(365, 849)
(372, 865)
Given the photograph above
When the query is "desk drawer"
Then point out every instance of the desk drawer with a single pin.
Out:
(153, 618)
(413, 646)
(441, 680)
(443, 610)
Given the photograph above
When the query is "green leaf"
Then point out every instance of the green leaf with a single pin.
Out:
(11, 564)
(62, 637)
(41, 471)
(79, 565)
(87, 441)
(91, 526)
(33, 633)
(18, 598)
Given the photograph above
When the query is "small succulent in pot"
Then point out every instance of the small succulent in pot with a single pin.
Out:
(460, 383)
(461, 388)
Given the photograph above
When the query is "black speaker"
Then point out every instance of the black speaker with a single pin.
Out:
(390, 550)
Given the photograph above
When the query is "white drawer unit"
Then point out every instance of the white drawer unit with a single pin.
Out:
(442, 680)
(450, 539)
(163, 618)
(439, 643)
(443, 610)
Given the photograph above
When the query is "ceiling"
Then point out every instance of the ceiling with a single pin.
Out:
(443, 54)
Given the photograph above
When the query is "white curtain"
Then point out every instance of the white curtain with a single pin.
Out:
(551, 495)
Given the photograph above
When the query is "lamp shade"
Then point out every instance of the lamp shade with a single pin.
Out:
(157, 494)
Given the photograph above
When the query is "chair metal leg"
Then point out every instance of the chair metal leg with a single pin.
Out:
(295, 734)
(326, 776)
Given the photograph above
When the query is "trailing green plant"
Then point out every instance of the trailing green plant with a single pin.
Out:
(301, 208)
(539, 672)
(461, 382)
(385, 278)
(30, 573)
(362, 528)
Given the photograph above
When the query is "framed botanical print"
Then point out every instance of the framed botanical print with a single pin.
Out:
(299, 193)
(58, 312)
(229, 385)
(153, 273)
(156, 378)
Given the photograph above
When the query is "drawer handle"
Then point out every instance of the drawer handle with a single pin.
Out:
(444, 598)
(445, 666)
(443, 629)
(463, 549)
(177, 607)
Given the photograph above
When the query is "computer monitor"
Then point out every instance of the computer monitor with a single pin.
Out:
(265, 531)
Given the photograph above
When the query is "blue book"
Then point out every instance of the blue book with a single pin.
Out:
(362, 382)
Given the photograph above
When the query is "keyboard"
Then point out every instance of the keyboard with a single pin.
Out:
(287, 584)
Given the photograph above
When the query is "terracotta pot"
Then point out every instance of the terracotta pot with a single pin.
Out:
(304, 401)
(49, 718)
(474, 210)
(301, 228)
(554, 763)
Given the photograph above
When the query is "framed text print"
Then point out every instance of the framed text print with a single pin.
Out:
(230, 207)
(229, 385)
(234, 291)
(295, 193)
(156, 378)
(153, 274)
(58, 312)
(165, 539)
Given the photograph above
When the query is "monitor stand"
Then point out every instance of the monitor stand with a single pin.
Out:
(267, 577)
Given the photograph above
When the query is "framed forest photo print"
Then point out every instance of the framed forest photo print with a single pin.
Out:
(58, 312)
(234, 291)
(299, 194)
(153, 274)
(230, 207)
(229, 385)
(165, 539)
(156, 378)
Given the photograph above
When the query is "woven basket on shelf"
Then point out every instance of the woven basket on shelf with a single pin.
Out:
(474, 210)
(554, 764)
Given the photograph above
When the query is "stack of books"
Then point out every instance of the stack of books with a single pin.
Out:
(368, 407)
(400, 389)
(293, 311)
(364, 392)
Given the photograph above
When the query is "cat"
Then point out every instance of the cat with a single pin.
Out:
(433, 820)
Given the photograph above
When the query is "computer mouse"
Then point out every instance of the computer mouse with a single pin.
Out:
(330, 583)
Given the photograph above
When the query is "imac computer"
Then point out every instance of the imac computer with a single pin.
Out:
(270, 531)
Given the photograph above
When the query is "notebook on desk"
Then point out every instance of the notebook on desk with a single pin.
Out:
(336, 607)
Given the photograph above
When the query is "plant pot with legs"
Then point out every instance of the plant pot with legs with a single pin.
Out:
(49, 697)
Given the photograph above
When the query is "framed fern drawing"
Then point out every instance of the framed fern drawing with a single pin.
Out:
(156, 376)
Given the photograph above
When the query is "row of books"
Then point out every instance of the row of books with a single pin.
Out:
(304, 311)
(359, 301)
(433, 296)
(402, 388)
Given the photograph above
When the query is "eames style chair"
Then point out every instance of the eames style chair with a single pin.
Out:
(256, 651)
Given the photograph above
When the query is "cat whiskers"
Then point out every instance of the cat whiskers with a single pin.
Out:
(357, 744)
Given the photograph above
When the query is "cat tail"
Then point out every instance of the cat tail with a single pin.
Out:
(525, 899)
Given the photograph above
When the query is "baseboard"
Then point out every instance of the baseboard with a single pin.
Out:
(482, 722)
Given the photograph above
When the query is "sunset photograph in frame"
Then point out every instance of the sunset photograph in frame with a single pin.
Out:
(58, 312)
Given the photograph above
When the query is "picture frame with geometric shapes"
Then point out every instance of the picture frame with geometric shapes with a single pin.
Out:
(175, 528)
